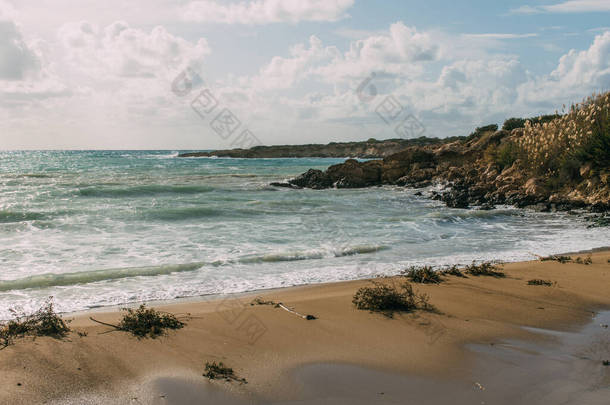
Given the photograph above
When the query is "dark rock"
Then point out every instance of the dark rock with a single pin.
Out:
(455, 199)
(276, 184)
(468, 169)
(355, 174)
(313, 178)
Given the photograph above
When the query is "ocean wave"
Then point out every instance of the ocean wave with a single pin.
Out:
(360, 250)
(291, 256)
(473, 214)
(143, 190)
(19, 216)
(36, 175)
(84, 277)
(181, 214)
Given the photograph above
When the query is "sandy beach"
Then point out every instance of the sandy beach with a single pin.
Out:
(284, 357)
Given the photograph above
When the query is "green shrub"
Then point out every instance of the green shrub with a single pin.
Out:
(513, 123)
(388, 299)
(480, 131)
(506, 154)
(487, 128)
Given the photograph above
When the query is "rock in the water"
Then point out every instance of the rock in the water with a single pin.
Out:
(313, 178)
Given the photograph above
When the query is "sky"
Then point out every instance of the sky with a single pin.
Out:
(209, 74)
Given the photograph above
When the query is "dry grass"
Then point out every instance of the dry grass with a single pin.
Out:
(580, 136)
(537, 281)
(388, 299)
(454, 271)
(586, 261)
(218, 371)
(147, 322)
(560, 259)
(43, 322)
(423, 275)
(485, 269)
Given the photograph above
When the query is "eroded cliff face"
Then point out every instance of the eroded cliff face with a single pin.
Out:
(471, 177)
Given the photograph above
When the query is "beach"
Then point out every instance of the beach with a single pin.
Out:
(281, 354)
(313, 202)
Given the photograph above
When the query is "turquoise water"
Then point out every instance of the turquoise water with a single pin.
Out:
(103, 228)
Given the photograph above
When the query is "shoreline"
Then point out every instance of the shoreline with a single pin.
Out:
(256, 292)
(476, 310)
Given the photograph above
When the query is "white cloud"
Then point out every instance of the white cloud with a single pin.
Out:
(499, 36)
(578, 74)
(119, 50)
(467, 91)
(283, 73)
(570, 6)
(267, 11)
(17, 59)
(25, 73)
(400, 51)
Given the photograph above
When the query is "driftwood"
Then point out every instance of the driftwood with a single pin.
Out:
(104, 323)
(292, 311)
(260, 301)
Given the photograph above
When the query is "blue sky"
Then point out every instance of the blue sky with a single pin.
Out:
(93, 74)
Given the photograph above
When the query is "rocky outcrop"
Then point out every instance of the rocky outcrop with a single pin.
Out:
(470, 176)
(366, 150)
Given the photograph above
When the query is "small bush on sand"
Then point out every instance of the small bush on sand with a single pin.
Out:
(147, 322)
(485, 269)
(560, 259)
(537, 281)
(424, 274)
(454, 271)
(586, 261)
(43, 322)
(261, 301)
(218, 371)
(388, 299)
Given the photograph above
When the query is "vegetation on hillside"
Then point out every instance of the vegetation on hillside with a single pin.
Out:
(562, 146)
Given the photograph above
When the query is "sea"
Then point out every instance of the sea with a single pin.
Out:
(104, 228)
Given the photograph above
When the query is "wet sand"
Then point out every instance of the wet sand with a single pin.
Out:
(489, 332)
(566, 369)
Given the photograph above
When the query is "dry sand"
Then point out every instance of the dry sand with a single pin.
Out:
(271, 347)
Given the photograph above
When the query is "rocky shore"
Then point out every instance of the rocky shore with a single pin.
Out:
(369, 149)
(471, 176)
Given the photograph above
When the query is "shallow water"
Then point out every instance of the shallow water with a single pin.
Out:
(112, 227)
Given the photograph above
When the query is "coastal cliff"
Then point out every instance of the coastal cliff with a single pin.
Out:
(366, 149)
(560, 164)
